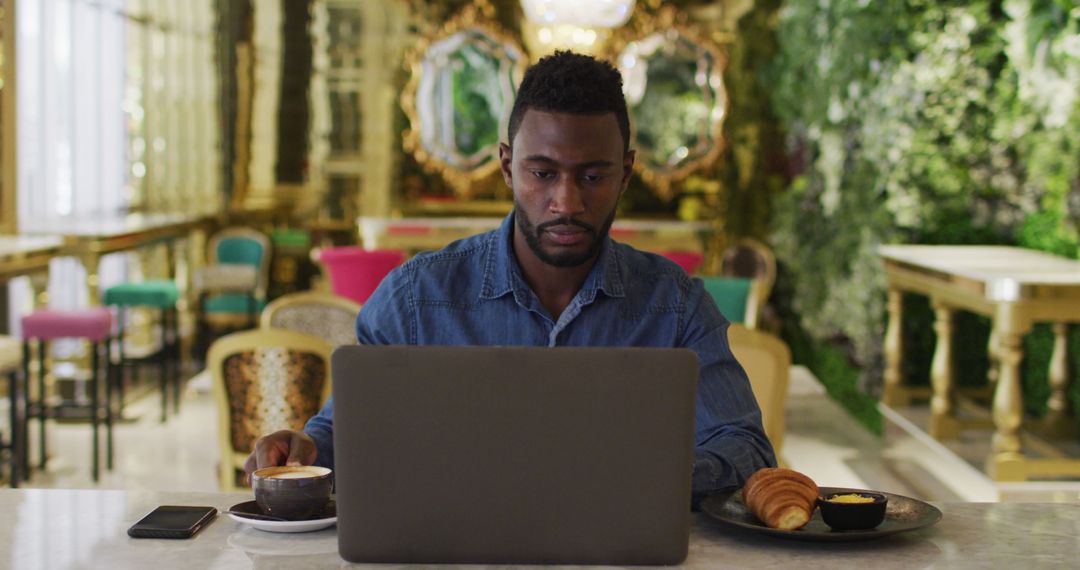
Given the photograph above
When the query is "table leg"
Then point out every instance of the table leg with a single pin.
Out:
(1007, 463)
(943, 424)
(16, 439)
(1057, 416)
(39, 290)
(92, 263)
(171, 261)
(895, 395)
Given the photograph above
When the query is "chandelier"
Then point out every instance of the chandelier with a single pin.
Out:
(578, 25)
(583, 13)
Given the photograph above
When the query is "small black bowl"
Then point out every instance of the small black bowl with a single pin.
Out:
(853, 516)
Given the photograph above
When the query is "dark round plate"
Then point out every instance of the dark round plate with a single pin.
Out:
(330, 511)
(901, 515)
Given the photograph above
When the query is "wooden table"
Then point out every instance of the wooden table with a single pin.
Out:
(428, 233)
(88, 529)
(1016, 288)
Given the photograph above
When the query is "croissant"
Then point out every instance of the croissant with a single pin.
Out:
(781, 498)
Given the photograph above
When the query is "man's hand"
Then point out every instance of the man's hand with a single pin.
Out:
(285, 447)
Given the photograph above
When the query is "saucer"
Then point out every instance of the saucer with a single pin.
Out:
(327, 518)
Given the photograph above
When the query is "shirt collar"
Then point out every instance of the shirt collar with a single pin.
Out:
(502, 273)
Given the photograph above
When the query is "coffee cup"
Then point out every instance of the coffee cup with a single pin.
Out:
(292, 492)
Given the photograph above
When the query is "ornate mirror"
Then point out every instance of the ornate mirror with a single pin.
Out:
(672, 77)
(459, 96)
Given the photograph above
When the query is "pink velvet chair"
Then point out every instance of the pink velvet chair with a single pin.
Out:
(355, 272)
(688, 260)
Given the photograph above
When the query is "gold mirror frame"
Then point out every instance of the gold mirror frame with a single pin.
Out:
(669, 28)
(477, 20)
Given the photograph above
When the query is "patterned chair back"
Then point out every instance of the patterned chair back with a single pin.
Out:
(326, 316)
(264, 380)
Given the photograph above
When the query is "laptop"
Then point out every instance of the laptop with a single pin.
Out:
(513, 455)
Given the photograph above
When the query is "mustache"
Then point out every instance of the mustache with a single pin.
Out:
(565, 222)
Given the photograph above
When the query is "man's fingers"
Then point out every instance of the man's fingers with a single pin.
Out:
(301, 450)
(272, 450)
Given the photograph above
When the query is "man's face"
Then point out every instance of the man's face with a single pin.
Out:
(567, 172)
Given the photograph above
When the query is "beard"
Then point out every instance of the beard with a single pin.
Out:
(532, 233)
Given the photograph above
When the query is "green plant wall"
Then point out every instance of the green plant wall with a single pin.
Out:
(919, 121)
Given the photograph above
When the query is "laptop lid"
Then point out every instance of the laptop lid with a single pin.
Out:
(513, 454)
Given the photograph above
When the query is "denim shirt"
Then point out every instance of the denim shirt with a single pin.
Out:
(473, 293)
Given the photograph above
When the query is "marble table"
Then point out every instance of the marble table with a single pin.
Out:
(46, 528)
(1015, 288)
(91, 238)
(24, 254)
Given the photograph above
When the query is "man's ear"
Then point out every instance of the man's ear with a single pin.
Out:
(505, 163)
(628, 168)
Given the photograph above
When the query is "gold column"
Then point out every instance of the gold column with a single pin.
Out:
(9, 161)
(942, 423)
(895, 395)
(1007, 463)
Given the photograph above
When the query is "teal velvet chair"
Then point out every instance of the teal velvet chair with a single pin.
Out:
(733, 295)
(232, 287)
(749, 258)
(161, 296)
(291, 267)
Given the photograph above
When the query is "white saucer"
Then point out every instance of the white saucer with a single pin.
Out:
(283, 526)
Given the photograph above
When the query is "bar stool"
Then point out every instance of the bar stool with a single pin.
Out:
(94, 325)
(10, 363)
(161, 295)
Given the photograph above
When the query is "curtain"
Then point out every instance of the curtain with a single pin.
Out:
(70, 131)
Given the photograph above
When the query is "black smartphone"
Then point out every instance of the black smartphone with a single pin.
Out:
(172, 522)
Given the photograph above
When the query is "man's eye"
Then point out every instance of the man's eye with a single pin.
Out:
(542, 174)
(592, 178)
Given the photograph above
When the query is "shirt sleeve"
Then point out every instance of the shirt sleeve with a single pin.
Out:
(730, 442)
(384, 319)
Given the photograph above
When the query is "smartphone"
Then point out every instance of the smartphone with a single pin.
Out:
(172, 522)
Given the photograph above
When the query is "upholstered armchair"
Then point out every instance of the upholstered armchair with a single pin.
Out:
(329, 317)
(767, 361)
(264, 380)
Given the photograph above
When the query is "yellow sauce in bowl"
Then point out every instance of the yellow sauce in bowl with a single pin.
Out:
(850, 498)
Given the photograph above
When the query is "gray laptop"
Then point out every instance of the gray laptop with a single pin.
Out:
(513, 455)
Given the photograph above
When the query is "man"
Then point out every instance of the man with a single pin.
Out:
(550, 276)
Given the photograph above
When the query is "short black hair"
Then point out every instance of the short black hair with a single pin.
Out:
(567, 82)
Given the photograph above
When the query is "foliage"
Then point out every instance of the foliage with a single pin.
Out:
(671, 112)
(920, 122)
(477, 99)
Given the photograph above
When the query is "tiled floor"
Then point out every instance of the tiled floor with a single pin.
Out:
(180, 454)
(822, 440)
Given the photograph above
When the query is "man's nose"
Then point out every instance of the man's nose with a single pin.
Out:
(567, 199)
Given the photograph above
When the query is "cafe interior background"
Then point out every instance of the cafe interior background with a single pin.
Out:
(781, 145)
